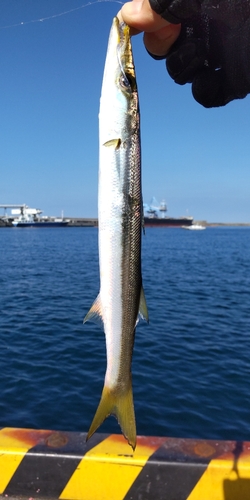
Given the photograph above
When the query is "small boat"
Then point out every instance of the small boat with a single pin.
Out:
(194, 227)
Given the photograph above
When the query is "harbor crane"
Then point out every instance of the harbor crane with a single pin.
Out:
(18, 210)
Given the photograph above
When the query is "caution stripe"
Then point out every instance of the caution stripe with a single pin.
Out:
(223, 481)
(115, 466)
(48, 464)
(188, 469)
(61, 465)
(14, 444)
(166, 481)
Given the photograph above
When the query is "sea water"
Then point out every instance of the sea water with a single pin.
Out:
(191, 363)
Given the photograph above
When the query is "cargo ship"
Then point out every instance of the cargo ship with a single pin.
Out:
(31, 217)
(23, 216)
(155, 216)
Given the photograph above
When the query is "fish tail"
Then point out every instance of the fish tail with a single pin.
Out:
(122, 407)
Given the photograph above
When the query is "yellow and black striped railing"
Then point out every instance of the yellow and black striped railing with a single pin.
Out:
(60, 465)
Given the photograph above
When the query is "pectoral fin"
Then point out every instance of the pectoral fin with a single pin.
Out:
(95, 312)
(113, 143)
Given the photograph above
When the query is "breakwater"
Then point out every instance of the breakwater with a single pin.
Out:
(81, 222)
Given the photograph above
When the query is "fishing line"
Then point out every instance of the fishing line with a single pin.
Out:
(42, 19)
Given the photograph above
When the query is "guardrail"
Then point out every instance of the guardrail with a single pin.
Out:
(61, 465)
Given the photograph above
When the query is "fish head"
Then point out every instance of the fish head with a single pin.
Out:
(126, 70)
(119, 91)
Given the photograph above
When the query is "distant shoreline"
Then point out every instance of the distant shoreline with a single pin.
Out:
(93, 222)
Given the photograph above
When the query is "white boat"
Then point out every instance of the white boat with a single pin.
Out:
(194, 227)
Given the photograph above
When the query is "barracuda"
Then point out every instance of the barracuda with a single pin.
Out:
(121, 298)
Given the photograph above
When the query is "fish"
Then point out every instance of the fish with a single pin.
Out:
(121, 300)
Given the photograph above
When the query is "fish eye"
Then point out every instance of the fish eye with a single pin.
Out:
(124, 82)
(127, 82)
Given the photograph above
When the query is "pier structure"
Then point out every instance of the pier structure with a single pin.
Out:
(57, 465)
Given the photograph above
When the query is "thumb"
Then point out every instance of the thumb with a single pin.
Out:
(139, 15)
(159, 42)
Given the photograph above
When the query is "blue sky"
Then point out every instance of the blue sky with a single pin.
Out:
(198, 160)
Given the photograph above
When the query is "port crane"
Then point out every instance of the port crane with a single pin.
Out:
(18, 210)
(154, 209)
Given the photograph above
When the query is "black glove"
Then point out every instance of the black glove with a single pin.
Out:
(213, 49)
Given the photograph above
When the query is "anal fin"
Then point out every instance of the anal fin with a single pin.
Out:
(143, 310)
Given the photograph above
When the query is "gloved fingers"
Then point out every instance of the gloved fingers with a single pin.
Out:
(185, 59)
(176, 11)
(211, 88)
(232, 13)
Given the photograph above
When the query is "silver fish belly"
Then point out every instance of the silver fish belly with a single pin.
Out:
(121, 297)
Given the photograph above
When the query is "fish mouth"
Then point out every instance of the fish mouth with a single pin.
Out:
(122, 30)
(124, 52)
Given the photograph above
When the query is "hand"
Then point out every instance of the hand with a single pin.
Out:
(212, 51)
(159, 34)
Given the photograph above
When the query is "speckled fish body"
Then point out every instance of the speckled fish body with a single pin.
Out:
(121, 298)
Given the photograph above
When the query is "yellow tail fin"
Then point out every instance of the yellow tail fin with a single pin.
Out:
(122, 407)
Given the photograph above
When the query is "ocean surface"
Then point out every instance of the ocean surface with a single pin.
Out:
(191, 364)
